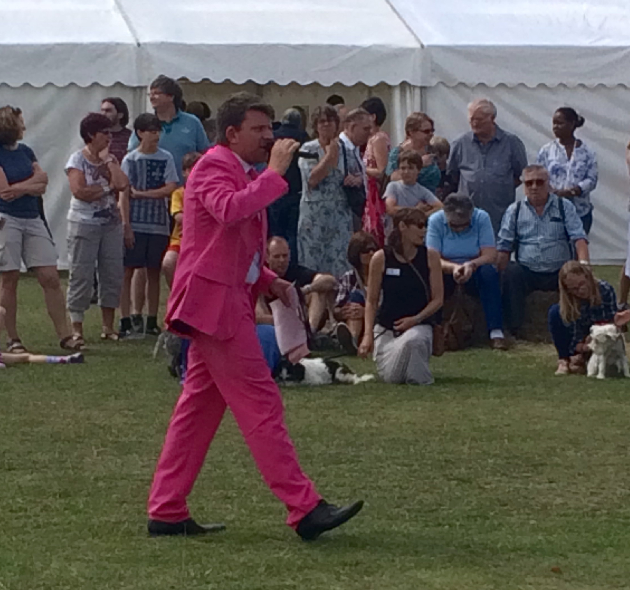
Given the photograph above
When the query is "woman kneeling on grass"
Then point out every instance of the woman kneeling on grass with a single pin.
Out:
(584, 301)
(410, 279)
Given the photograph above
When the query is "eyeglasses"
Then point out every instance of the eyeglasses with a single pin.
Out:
(427, 131)
(535, 182)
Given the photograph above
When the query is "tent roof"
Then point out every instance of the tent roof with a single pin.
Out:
(489, 42)
(528, 42)
(65, 42)
(132, 41)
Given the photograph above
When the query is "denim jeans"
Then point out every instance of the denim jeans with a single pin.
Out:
(560, 333)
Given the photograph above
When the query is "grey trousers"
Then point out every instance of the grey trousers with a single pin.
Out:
(89, 246)
(404, 359)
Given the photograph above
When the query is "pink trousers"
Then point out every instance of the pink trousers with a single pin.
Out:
(228, 373)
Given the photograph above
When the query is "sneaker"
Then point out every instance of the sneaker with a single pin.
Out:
(152, 331)
(346, 339)
(76, 359)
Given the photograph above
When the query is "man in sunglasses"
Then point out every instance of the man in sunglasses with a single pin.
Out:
(544, 232)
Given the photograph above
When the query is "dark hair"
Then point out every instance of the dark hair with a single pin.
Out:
(360, 243)
(303, 116)
(92, 124)
(571, 115)
(375, 106)
(10, 125)
(200, 109)
(411, 157)
(335, 99)
(147, 122)
(408, 215)
(171, 88)
(121, 108)
(233, 111)
(190, 159)
(325, 113)
(458, 205)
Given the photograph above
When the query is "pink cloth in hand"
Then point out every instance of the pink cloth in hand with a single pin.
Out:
(290, 330)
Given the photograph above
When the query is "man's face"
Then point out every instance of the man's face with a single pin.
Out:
(359, 131)
(278, 257)
(481, 121)
(536, 184)
(109, 110)
(159, 100)
(253, 140)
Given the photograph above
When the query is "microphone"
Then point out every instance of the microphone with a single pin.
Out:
(308, 155)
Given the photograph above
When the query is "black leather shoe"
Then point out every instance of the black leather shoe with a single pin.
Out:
(187, 528)
(325, 517)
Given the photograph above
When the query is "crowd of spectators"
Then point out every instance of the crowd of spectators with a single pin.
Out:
(376, 237)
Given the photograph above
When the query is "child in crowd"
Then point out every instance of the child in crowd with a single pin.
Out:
(152, 178)
(407, 192)
(16, 358)
(441, 149)
(177, 213)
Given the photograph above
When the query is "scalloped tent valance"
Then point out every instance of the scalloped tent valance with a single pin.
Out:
(491, 42)
(530, 42)
(131, 41)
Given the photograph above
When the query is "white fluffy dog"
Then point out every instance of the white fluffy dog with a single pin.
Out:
(607, 345)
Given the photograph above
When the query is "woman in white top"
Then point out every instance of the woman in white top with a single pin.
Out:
(571, 164)
(95, 232)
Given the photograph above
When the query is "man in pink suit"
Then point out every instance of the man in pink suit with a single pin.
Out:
(220, 273)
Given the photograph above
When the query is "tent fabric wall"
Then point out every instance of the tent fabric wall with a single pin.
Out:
(528, 111)
(52, 117)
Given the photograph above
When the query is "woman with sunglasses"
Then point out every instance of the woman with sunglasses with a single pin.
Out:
(462, 235)
(407, 279)
(584, 301)
(95, 231)
(419, 129)
(571, 164)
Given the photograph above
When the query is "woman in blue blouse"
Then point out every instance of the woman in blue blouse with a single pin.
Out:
(572, 165)
(419, 129)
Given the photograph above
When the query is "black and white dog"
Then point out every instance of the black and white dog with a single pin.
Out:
(317, 371)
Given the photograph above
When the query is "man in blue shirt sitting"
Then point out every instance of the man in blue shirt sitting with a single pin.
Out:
(463, 236)
(543, 231)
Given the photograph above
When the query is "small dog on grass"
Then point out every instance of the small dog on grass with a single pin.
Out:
(609, 350)
(317, 371)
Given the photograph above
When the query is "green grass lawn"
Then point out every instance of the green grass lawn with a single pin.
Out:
(499, 476)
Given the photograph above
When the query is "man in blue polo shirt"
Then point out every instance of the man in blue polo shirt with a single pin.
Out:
(181, 132)
(464, 238)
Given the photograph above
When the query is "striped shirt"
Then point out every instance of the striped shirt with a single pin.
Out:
(542, 240)
(149, 172)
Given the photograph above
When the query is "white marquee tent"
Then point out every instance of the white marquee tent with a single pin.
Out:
(60, 57)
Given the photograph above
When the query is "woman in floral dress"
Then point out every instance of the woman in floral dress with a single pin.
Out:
(325, 225)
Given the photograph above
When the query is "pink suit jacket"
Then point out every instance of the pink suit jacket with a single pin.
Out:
(225, 224)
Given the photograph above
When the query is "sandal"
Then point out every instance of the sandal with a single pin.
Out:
(73, 343)
(15, 346)
(109, 336)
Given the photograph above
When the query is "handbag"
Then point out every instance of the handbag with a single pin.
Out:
(355, 195)
(438, 347)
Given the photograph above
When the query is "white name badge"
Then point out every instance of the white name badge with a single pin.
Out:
(392, 272)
